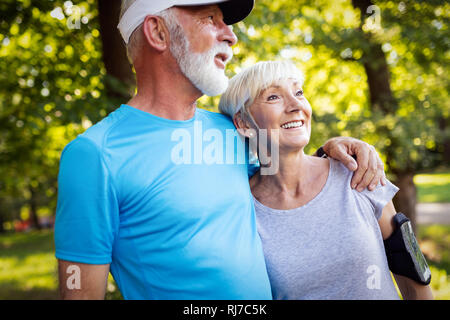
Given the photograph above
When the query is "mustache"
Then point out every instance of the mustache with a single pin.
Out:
(221, 48)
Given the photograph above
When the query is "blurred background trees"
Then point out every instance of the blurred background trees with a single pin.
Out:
(55, 82)
(375, 70)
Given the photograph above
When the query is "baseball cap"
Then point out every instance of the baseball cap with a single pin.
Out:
(233, 11)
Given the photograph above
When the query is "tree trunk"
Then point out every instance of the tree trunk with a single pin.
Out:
(378, 78)
(2, 213)
(2, 229)
(383, 100)
(443, 125)
(34, 219)
(114, 52)
(406, 200)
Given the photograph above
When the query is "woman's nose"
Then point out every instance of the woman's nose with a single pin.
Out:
(294, 104)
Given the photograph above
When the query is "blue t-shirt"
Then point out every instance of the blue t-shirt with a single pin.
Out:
(160, 201)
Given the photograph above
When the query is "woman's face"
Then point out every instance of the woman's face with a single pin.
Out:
(283, 106)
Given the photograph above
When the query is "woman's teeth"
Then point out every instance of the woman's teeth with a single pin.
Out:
(294, 124)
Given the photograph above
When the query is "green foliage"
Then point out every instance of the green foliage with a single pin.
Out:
(440, 284)
(433, 187)
(434, 241)
(52, 82)
(28, 268)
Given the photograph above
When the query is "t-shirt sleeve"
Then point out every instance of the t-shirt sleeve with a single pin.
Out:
(379, 197)
(87, 214)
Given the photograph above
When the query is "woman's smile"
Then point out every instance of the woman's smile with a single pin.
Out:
(293, 125)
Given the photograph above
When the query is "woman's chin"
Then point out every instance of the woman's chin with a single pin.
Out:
(297, 144)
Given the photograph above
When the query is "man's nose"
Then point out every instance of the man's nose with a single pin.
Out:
(227, 34)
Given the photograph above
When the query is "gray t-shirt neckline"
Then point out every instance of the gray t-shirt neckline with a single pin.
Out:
(318, 197)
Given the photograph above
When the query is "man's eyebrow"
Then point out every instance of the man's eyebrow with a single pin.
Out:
(202, 9)
(205, 8)
(215, 11)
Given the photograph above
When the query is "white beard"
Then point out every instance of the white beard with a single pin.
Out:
(200, 68)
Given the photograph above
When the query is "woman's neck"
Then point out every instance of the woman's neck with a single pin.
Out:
(292, 170)
(299, 178)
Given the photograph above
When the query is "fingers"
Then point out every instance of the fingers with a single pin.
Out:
(371, 172)
(340, 153)
(377, 178)
(381, 168)
(349, 162)
(363, 157)
(369, 167)
(368, 175)
(374, 173)
(380, 176)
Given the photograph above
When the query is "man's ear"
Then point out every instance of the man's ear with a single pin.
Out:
(242, 126)
(156, 33)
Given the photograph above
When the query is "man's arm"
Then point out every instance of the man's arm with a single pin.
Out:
(87, 221)
(79, 281)
(368, 167)
(410, 289)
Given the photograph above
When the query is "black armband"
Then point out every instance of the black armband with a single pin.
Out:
(403, 252)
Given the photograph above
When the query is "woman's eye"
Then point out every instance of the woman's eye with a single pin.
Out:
(299, 93)
(272, 97)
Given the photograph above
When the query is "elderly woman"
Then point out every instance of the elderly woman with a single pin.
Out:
(321, 238)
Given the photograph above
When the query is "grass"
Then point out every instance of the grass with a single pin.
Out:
(28, 265)
(434, 241)
(433, 187)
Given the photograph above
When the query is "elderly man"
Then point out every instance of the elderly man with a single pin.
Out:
(168, 230)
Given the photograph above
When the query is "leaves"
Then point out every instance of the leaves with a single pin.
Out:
(53, 80)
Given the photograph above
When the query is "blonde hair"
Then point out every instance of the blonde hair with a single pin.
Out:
(247, 85)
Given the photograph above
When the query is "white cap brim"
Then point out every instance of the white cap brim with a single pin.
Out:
(233, 11)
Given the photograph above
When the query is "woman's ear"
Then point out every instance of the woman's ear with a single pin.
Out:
(156, 33)
(242, 126)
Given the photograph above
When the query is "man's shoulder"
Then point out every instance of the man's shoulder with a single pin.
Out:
(220, 118)
(93, 139)
(99, 131)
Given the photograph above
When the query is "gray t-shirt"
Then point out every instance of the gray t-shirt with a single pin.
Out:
(330, 248)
